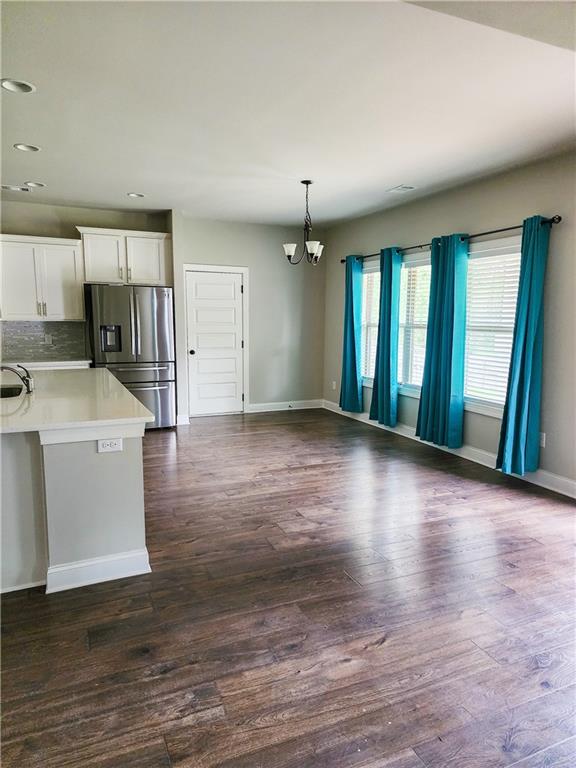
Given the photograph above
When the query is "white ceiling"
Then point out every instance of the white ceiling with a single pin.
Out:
(219, 109)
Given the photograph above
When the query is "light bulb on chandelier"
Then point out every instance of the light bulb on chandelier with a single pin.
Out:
(312, 249)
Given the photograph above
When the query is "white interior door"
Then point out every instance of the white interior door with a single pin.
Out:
(215, 342)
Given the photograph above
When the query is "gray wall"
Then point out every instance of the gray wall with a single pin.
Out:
(61, 220)
(24, 554)
(286, 305)
(94, 501)
(547, 188)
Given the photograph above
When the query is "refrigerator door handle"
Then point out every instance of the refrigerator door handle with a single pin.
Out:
(131, 388)
(139, 368)
(138, 341)
(132, 325)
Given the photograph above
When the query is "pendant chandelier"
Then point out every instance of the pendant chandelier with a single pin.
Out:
(312, 249)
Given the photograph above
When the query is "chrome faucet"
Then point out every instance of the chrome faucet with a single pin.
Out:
(25, 377)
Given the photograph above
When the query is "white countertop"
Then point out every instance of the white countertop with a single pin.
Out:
(50, 365)
(70, 399)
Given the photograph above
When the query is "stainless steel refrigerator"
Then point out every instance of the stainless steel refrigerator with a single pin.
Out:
(131, 333)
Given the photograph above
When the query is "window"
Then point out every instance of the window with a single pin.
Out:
(493, 275)
(414, 291)
(414, 295)
(492, 288)
(370, 316)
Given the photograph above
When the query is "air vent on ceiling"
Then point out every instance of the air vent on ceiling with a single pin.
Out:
(401, 189)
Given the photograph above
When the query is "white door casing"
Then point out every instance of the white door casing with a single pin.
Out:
(215, 324)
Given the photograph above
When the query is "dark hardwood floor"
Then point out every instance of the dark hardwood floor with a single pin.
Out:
(324, 595)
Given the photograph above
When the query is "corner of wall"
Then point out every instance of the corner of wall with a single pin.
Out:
(176, 220)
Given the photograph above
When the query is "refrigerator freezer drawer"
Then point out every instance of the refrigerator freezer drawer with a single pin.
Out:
(138, 372)
(160, 398)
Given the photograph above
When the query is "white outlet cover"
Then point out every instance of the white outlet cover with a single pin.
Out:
(110, 445)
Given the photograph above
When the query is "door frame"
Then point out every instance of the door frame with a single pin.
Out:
(245, 272)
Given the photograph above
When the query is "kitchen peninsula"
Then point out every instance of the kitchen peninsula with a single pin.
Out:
(72, 481)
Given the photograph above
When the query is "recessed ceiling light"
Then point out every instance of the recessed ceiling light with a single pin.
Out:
(35, 184)
(14, 188)
(134, 194)
(27, 147)
(17, 86)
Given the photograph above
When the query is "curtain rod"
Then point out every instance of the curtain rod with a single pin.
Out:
(552, 220)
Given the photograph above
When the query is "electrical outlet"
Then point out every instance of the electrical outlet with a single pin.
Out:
(334, 385)
(48, 338)
(111, 445)
(542, 439)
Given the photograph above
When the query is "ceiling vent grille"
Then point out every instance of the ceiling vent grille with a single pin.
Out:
(401, 189)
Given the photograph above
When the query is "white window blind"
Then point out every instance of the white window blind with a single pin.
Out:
(414, 296)
(370, 315)
(491, 306)
(492, 288)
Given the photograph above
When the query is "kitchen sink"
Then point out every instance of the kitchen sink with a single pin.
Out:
(10, 390)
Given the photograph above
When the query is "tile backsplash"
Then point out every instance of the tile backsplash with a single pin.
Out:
(33, 342)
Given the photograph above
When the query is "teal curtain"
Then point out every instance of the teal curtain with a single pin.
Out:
(519, 449)
(384, 405)
(351, 386)
(441, 411)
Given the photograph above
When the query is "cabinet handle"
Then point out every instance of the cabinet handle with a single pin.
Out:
(129, 274)
(121, 270)
(44, 307)
(39, 307)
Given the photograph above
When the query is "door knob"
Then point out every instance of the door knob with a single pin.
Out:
(192, 351)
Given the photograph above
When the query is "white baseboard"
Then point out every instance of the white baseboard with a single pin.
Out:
(288, 405)
(541, 477)
(19, 587)
(296, 405)
(96, 570)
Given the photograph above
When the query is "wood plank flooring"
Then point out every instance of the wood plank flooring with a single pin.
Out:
(323, 595)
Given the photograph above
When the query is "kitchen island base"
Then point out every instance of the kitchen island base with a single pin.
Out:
(72, 508)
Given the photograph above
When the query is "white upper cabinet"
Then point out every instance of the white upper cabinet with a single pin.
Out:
(122, 256)
(145, 260)
(62, 280)
(21, 283)
(42, 279)
(104, 257)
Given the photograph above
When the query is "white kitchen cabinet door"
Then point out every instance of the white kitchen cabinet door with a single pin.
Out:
(62, 281)
(20, 283)
(104, 258)
(146, 258)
